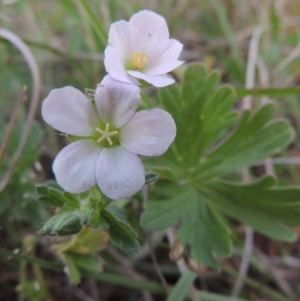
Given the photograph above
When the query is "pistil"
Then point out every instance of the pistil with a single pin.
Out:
(106, 134)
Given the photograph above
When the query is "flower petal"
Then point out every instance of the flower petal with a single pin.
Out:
(148, 132)
(116, 102)
(75, 166)
(153, 32)
(70, 111)
(161, 80)
(115, 67)
(119, 172)
(123, 38)
(167, 61)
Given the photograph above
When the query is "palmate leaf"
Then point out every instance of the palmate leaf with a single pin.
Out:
(268, 209)
(255, 138)
(201, 112)
(210, 143)
(201, 226)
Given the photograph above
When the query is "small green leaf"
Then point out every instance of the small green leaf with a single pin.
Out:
(72, 201)
(85, 261)
(42, 189)
(50, 196)
(121, 234)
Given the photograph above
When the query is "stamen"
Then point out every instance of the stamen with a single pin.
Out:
(139, 59)
(106, 134)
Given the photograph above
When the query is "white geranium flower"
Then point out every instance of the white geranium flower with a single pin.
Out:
(141, 50)
(111, 136)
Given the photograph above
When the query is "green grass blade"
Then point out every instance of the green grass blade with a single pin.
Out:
(103, 276)
(182, 286)
(98, 27)
(227, 30)
(273, 92)
(206, 296)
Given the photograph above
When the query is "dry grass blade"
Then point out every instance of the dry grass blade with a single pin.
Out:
(35, 73)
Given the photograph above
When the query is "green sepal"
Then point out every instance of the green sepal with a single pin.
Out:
(47, 200)
(42, 189)
(144, 84)
(120, 232)
(94, 221)
(72, 202)
(50, 196)
(151, 177)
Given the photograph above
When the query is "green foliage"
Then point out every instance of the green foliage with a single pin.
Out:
(18, 197)
(77, 252)
(272, 92)
(275, 21)
(96, 25)
(32, 290)
(207, 148)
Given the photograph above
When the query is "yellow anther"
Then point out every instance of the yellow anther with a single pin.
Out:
(139, 59)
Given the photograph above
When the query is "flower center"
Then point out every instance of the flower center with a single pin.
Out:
(139, 59)
(106, 134)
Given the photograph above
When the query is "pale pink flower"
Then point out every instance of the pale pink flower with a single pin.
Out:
(110, 136)
(141, 50)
